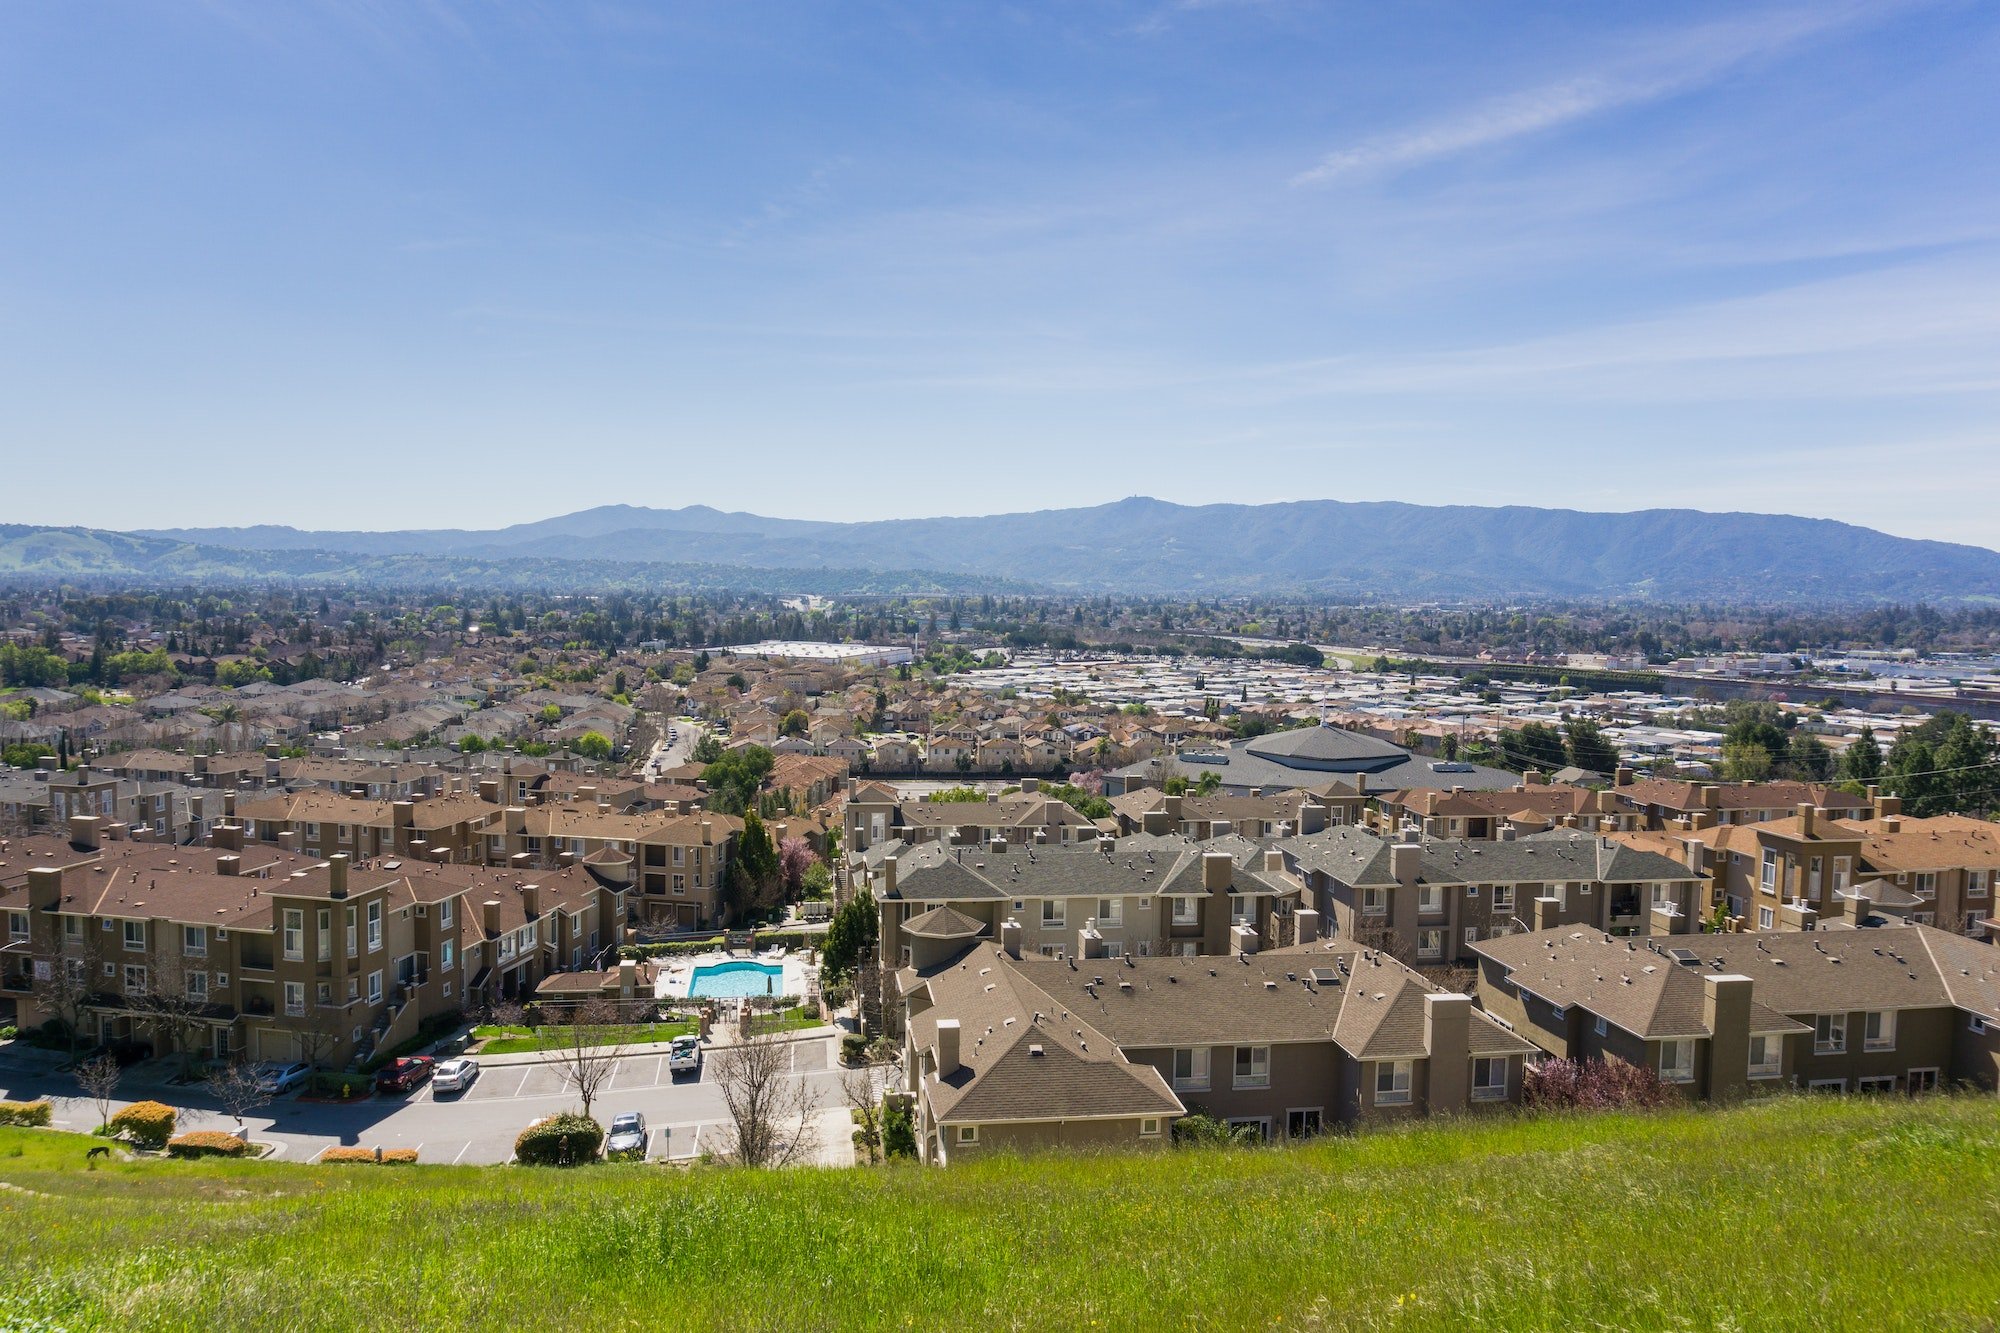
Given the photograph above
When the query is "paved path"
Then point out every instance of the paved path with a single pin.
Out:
(686, 1113)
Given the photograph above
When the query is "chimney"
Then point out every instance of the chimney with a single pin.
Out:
(1711, 798)
(1696, 854)
(1307, 921)
(44, 888)
(289, 840)
(1534, 778)
(1406, 860)
(229, 804)
(1892, 823)
(1274, 861)
(888, 875)
(1806, 829)
(1221, 828)
(1448, 1051)
(1172, 805)
(1155, 821)
(947, 1048)
(1218, 871)
(1547, 910)
(489, 790)
(628, 978)
(1621, 777)
(489, 916)
(1089, 944)
(1725, 1011)
(403, 814)
(1010, 937)
(336, 875)
(228, 863)
(531, 901)
(1886, 806)
(84, 830)
(707, 833)
(1312, 817)
(998, 843)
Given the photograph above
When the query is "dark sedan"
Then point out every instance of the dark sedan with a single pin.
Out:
(403, 1074)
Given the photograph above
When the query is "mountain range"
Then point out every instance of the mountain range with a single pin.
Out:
(1325, 548)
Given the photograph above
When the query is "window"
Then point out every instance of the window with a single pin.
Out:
(1186, 911)
(353, 935)
(1430, 898)
(135, 935)
(1253, 1067)
(295, 934)
(323, 945)
(1827, 1085)
(73, 927)
(17, 925)
(1878, 1030)
(1927, 884)
(1767, 878)
(374, 926)
(1767, 1055)
(1975, 883)
(1392, 1083)
(1259, 1123)
(1052, 913)
(135, 979)
(677, 855)
(1503, 897)
(374, 988)
(1598, 1025)
(968, 1133)
(1191, 1067)
(1922, 1080)
(1242, 910)
(1149, 1128)
(194, 941)
(1765, 918)
(444, 912)
(1430, 944)
(1677, 1061)
(1375, 902)
(1829, 1034)
(1472, 890)
(1110, 912)
(446, 953)
(1489, 1079)
(222, 981)
(1875, 1083)
(1471, 936)
(295, 998)
(197, 987)
(1303, 1123)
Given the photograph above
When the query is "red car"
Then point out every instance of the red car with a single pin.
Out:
(403, 1074)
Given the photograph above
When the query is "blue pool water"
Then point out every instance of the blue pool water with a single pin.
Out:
(735, 979)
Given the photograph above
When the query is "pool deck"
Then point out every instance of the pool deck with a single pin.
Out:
(674, 978)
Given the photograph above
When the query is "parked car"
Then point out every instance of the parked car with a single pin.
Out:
(124, 1052)
(454, 1075)
(684, 1056)
(404, 1073)
(275, 1078)
(627, 1136)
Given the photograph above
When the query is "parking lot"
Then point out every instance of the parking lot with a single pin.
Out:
(684, 1115)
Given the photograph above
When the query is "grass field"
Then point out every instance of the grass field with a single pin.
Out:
(512, 1040)
(1805, 1214)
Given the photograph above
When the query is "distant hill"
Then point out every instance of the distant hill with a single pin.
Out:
(1314, 547)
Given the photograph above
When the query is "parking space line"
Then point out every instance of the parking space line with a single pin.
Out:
(462, 1152)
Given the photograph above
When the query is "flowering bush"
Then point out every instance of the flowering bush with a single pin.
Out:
(26, 1113)
(145, 1124)
(370, 1156)
(1592, 1085)
(206, 1143)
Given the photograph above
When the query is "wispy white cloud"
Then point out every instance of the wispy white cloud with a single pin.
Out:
(1665, 67)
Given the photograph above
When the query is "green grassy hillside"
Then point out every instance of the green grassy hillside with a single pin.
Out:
(1795, 1214)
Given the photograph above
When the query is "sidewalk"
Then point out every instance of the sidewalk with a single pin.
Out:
(825, 1033)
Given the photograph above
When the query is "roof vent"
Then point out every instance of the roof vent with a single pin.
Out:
(1035, 1049)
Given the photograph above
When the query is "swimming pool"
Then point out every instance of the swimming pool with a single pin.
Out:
(735, 979)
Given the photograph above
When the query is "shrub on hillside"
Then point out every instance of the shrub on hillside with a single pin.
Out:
(370, 1156)
(145, 1124)
(1592, 1085)
(561, 1140)
(899, 1128)
(206, 1143)
(1205, 1131)
(34, 1114)
(853, 1048)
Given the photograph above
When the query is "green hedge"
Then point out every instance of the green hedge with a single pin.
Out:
(673, 948)
(561, 1140)
(29, 1114)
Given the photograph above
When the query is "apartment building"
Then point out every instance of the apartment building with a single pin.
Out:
(874, 814)
(1432, 901)
(1894, 1009)
(1144, 895)
(1007, 1051)
(1255, 814)
(1662, 802)
(262, 953)
(446, 828)
(1485, 816)
(681, 864)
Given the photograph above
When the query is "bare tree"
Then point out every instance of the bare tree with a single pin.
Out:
(65, 986)
(770, 1111)
(234, 1085)
(319, 1035)
(175, 1004)
(587, 1048)
(99, 1080)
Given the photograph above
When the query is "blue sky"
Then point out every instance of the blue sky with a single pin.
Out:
(390, 264)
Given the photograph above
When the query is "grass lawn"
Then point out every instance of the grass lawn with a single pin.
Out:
(509, 1040)
(788, 1020)
(1793, 1214)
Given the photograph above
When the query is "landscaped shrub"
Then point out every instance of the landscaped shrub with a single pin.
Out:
(1205, 1131)
(1592, 1085)
(26, 1113)
(370, 1156)
(899, 1129)
(853, 1048)
(561, 1140)
(206, 1143)
(145, 1124)
(673, 948)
